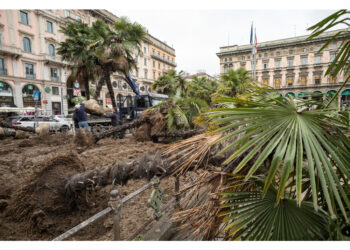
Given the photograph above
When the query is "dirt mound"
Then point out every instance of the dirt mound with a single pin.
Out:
(157, 124)
(21, 134)
(83, 138)
(43, 192)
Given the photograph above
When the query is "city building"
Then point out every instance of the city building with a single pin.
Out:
(293, 66)
(199, 74)
(29, 62)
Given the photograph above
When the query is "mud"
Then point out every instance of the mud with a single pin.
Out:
(33, 205)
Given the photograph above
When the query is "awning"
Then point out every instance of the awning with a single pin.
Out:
(346, 92)
(302, 94)
(290, 94)
(331, 92)
(317, 92)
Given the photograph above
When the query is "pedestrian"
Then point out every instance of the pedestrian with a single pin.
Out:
(80, 115)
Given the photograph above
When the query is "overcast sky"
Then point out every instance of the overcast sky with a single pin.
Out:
(197, 35)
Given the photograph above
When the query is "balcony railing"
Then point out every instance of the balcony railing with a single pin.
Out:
(53, 60)
(163, 60)
(3, 71)
(30, 76)
(9, 50)
(54, 79)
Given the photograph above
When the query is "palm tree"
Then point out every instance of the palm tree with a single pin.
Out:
(233, 82)
(202, 88)
(114, 49)
(76, 50)
(165, 84)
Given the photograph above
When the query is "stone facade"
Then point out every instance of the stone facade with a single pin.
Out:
(28, 59)
(291, 65)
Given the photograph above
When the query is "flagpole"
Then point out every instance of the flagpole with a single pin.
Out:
(255, 54)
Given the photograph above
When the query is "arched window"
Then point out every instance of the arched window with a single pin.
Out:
(6, 95)
(52, 51)
(27, 46)
(27, 93)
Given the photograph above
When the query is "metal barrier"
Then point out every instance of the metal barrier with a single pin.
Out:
(115, 204)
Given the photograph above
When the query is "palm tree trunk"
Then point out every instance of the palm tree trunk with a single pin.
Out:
(180, 133)
(107, 77)
(117, 129)
(87, 89)
(98, 88)
(5, 125)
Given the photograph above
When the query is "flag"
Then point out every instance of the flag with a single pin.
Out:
(251, 35)
(256, 43)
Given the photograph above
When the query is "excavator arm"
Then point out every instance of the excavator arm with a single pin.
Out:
(132, 85)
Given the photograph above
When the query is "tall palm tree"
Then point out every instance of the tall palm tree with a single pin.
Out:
(233, 82)
(114, 49)
(76, 50)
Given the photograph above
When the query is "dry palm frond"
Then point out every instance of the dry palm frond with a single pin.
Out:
(199, 219)
(190, 153)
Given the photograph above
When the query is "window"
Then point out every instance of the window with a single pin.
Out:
(266, 82)
(49, 26)
(146, 75)
(230, 59)
(154, 64)
(114, 83)
(158, 74)
(225, 59)
(53, 73)
(278, 53)
(265, 55)
(120, 85)
(248, 57)
(290, 62)
(318, 47)
(277, 64)
(317, 79)
(304, 61)
(29, 70)
(304, 50)
(266, 65)
(158, 53)
(66, 13)
(163, 57)
(55, 91)
(78, 17)
(137, 73)
(144, 50)
(332, 57)
(52, 50)
(290, 81)
(331, 79)
(318, 59)
(290, 52)
(243, 58)
(158, 65)
(259, 55)
(3, 71)
(334, 46)
(277, 83)
(27, 47)
(145, 61)
(303, 80)
(153, 52)
(169, 59)
(24, 17)
(154, 75)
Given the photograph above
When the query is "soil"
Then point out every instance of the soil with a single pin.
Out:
(32, 201)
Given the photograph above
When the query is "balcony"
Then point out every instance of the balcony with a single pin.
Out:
(10, 51)
(30, 76)
(3, 72)
(53, 60)
(54, 79)
(163, 60)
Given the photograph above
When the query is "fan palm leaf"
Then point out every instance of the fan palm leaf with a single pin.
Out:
(288, 132)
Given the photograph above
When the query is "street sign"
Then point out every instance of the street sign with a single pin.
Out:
(36, 95)
(76, 92)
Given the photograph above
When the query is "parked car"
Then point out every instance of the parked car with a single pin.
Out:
(55, 124)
